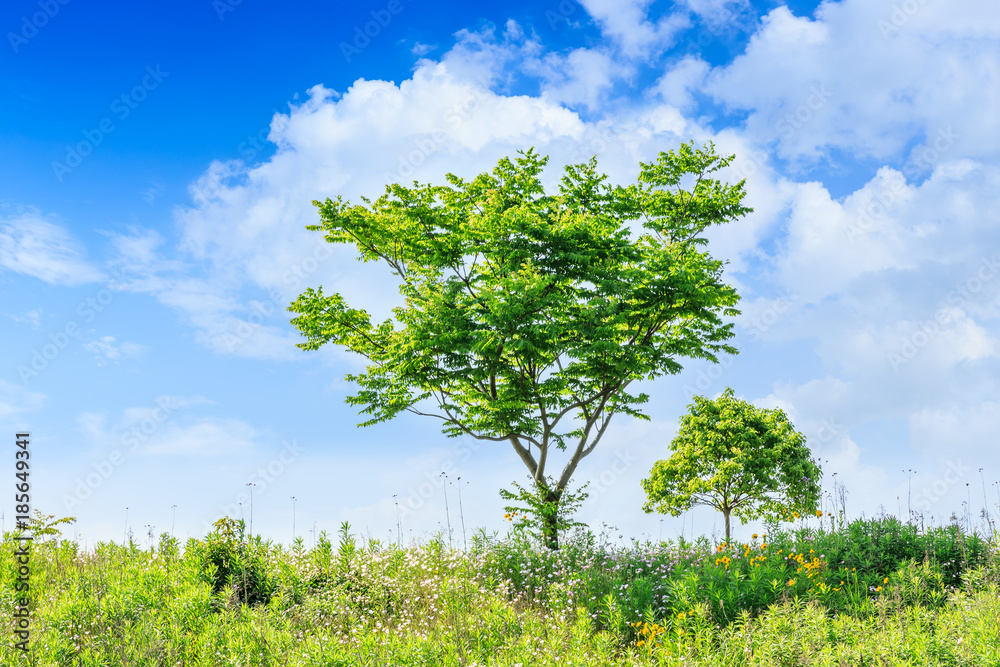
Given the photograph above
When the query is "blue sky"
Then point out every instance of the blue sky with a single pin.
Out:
(158, 166)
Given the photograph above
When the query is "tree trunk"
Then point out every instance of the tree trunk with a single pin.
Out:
(550, 520)
(551, 532)
(726, 512)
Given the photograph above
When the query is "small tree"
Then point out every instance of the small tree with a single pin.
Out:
(737, 458)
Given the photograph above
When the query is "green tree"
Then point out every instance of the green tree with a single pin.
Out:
(739, 459)
(526, 316)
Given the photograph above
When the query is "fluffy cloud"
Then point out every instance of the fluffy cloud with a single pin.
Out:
(629, 26)
(843, 81)
(246, 227)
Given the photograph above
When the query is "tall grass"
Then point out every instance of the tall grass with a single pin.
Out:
(866, 593)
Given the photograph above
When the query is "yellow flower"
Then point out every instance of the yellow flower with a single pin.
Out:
(819, 512)
(878, 589)
(791, 582)
(754, 536)
(886, 580)
(795, 514)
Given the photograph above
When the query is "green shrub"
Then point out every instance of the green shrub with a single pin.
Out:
(230, 562)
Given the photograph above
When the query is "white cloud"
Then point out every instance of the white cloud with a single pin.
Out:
(164, 428)
(247, 225)
(628, 24)
(106, 348)
(834, 82)
(722, 14)
(581, 77)
(33, 246)
(208, 437)
(676, 85)
(422, 49)
(15, 400)
(968, 432)
(32, 318)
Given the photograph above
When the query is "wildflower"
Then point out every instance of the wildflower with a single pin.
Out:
(878, 589)
(754, 536)
(791, 582)
(886, 580)
(819, 512)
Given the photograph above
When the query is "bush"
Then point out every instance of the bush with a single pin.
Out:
(230, 562)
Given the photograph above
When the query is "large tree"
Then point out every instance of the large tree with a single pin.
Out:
(739, 459)
(526, 316)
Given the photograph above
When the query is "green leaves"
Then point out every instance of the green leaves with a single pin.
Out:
(735, 457)
(527, 315)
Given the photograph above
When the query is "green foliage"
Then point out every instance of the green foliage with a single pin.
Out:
(588, 604)
(525, 316)
(42, 525)
(231, 562)
(737, 458)
(540, 514)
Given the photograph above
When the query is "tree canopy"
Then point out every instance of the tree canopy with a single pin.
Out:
(737, 458)
(526, 316)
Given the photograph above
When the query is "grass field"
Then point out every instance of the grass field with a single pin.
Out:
(871, 592)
